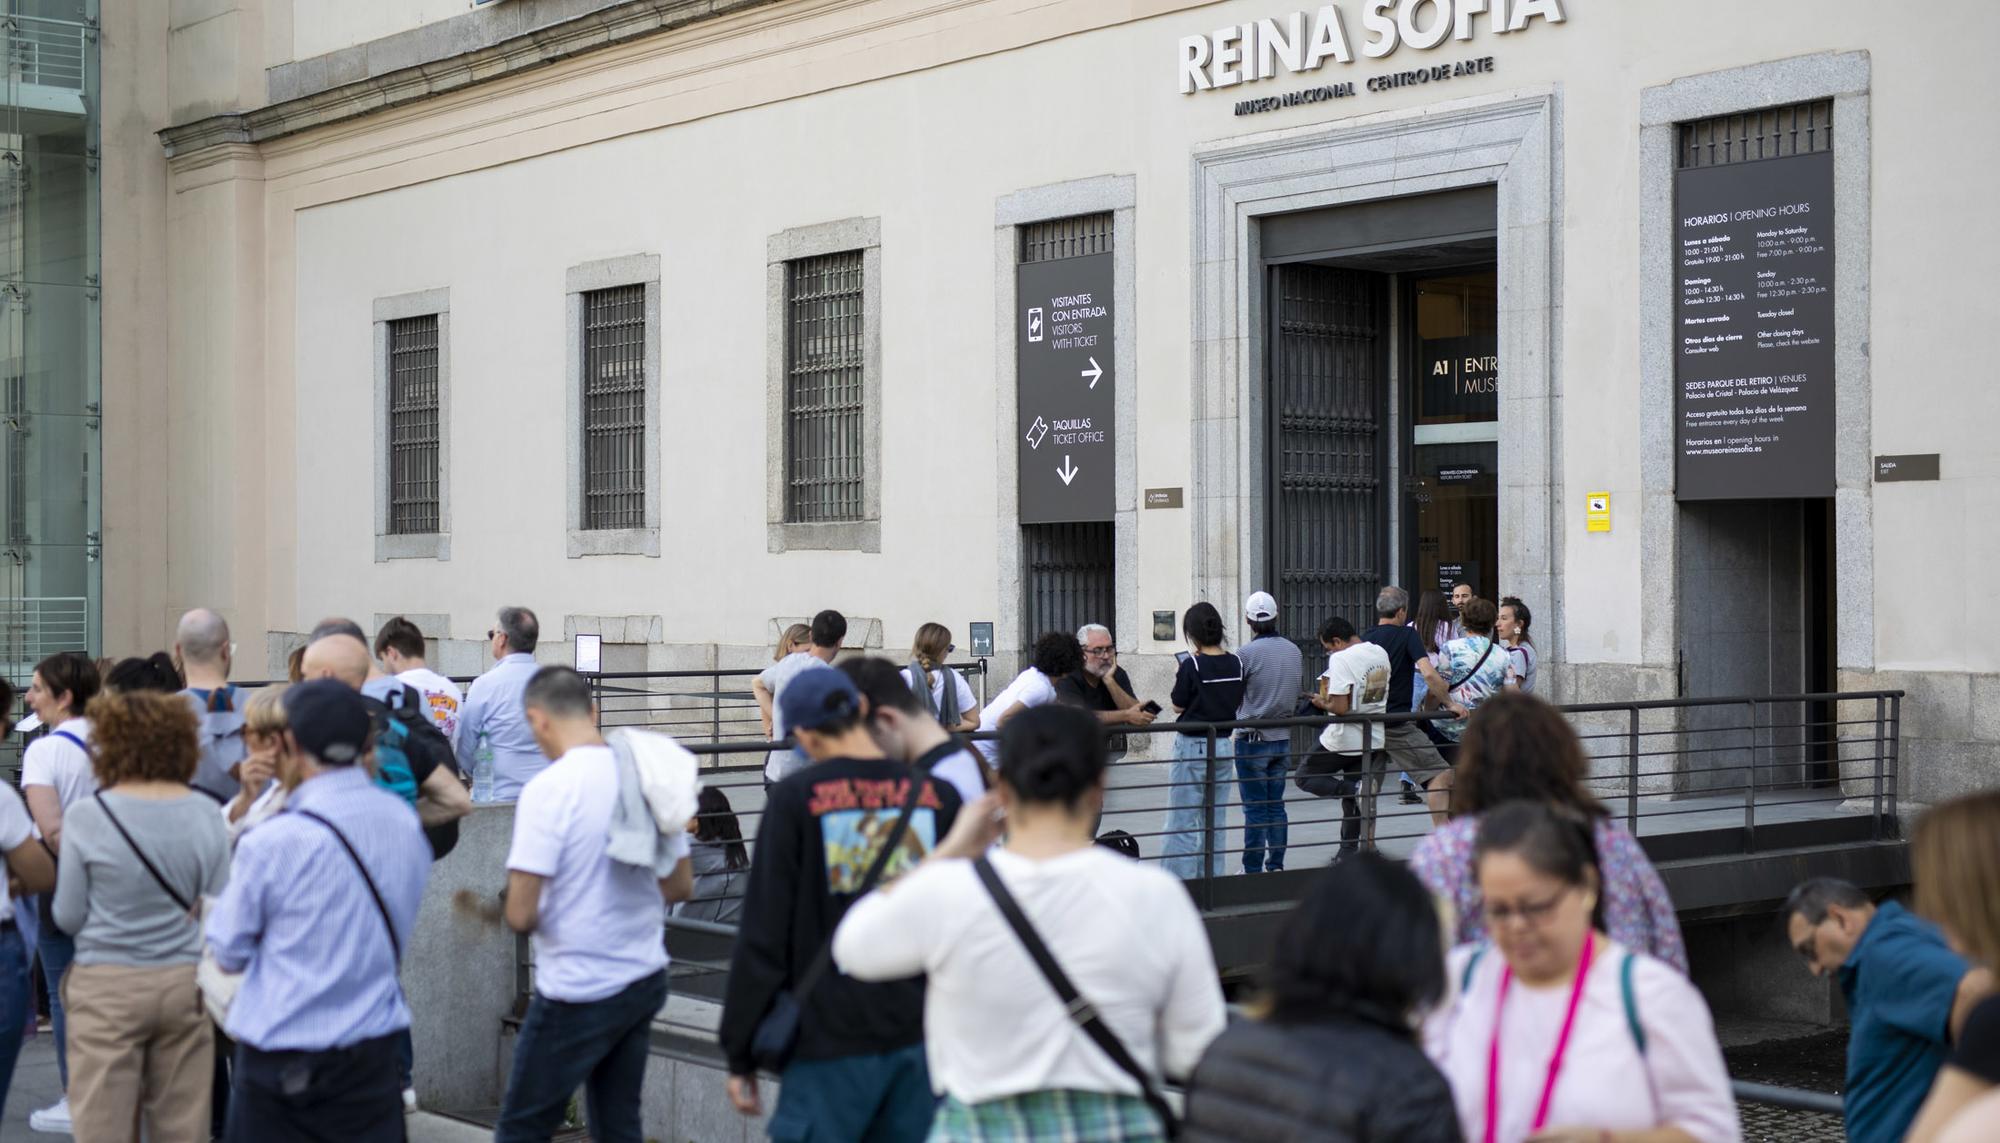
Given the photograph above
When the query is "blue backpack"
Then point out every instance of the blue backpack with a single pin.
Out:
(1631, 998)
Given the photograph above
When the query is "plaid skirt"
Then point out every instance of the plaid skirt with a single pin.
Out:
(1048, 1117)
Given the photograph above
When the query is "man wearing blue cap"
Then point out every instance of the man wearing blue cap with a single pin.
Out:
(856, 1069)
(321, 901)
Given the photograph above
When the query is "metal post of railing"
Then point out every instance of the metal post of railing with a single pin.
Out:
(1879, 760)
(1632, 775)
(1208, 826)
(982, 684)
(1750, 787)
(1895, 749)
(597, 699)
(715, 707)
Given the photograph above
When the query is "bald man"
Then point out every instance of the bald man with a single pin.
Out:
(203, 652)
(441, 797)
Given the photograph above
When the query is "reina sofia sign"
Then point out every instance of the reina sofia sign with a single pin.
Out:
(1303, 43)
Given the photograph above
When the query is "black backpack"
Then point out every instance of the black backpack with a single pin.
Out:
(404, 722)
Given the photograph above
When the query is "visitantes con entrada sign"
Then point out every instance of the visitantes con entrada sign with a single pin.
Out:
(1302, 42)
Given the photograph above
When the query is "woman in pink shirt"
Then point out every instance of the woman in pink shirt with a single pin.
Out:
(1557, 1033)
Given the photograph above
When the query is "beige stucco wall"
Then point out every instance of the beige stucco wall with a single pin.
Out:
(698, 145)
(321, 26)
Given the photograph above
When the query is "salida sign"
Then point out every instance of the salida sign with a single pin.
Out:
(1303, 42)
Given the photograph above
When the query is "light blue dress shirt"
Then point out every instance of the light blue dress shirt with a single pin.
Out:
(493, 704)
(298, 916)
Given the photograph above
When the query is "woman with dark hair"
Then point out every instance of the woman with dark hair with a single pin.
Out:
(1433, 623)
(721, 861)
(136, 859)
(944, 693)
(1332, 1054)
(1208, 687)
(156, 672)
(1511, 629)
(1518, 747)
(1559, 1033)
(1056, 654)
(1006, 1052)
(27, 862)
(55, 775)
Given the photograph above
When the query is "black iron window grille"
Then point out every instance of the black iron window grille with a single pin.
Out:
(824, 396)
(1773, 133)
(614, 408)
(413, 426)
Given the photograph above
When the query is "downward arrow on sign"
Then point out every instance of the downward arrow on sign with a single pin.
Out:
(1094, 372)
(1068, 471)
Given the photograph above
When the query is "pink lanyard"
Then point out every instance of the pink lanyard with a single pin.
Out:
(1555, 1061)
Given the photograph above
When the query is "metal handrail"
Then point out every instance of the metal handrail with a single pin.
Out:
(1789, 1098)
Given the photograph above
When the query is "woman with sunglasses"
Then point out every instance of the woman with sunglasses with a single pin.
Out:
(1557, 1033)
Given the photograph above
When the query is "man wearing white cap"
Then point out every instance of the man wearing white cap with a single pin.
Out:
(1273, 673)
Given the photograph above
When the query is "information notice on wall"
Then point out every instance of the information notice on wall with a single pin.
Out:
(1753, 329)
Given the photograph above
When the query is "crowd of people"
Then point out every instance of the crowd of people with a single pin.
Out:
(932, 940)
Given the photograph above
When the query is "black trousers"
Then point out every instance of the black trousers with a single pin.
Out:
(344, 1095)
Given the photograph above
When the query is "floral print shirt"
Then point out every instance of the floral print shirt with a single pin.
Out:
(1637, 911)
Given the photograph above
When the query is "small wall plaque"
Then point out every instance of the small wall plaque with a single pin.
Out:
(1917, 466)
(1163, 498)
(982, 640)
(1163, 626)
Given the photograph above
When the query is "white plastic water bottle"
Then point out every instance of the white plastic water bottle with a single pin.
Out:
(482, 771)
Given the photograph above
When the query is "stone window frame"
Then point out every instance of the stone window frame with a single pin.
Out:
(783, 248)
(421, 545)
(1843, 77)
(580, 279)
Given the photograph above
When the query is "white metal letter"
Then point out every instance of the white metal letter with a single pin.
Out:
(1419, 37)
(1275, 46)
(1384, 27)
(1462, 13)
(1194, 57)
(1525, 10)
(1329, 39)
(1500, 16)
(1228, 53)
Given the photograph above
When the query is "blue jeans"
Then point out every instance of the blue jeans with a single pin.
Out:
(600, 1044)
(1189, 777)
(57, 950)
(15, 997)
(880, 1098)
(1260, 776)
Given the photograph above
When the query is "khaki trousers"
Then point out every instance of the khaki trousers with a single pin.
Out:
(139, 1040)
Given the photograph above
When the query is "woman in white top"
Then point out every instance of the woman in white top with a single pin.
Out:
(27, 862)
(943, 691)
(1557, 1034)
(1056, 654)
(1000, 1045)
(56, 774)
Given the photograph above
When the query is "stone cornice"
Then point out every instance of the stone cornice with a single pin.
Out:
(591, 31)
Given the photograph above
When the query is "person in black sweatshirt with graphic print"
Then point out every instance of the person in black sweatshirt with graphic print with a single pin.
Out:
(858, 1070)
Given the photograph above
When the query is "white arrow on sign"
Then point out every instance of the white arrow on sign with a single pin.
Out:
(1068, 471)
(1094, 372)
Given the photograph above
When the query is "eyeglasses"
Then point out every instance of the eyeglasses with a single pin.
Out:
(1531, 913)
(1099, 650)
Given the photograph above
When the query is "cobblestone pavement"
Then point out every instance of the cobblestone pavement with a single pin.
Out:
(1765, 1124)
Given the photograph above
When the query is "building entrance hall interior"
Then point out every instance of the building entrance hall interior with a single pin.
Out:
(1381, 403)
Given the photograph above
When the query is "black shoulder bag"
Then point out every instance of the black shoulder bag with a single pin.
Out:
(777, 1034)
(1080, 1010)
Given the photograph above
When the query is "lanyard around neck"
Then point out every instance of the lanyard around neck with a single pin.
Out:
(1541, 1119)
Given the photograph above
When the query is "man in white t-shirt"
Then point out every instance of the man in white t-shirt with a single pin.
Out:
(829, 629)
(598, 927)
(1056, 654)
(400, 646)
(899, 724)
(1356, 681)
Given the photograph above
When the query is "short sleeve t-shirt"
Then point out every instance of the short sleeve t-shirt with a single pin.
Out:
(1362, 673)
(774, 678)
(1478, 675)
(54, 761)
(1074, 689)
(1030, 688)
(966, 702)
(1899, 983)
(1978, 1051)
(15, 827)
(1404, 647)
(1523, 659)
(601, 924)
(442, 698)
(1208, 688)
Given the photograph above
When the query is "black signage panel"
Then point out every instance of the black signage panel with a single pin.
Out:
(1458, 378)
(1753, 329)
(1064, 388)
(1916, 466)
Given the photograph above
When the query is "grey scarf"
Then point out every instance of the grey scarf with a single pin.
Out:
(944, 708)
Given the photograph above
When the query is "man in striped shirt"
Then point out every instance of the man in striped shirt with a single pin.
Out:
(321, 901)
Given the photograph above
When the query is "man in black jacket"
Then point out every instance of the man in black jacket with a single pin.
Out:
(858, 1070)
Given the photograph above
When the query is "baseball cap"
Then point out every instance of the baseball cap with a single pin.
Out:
(811, 699)
(329, 719)
(1260, 607)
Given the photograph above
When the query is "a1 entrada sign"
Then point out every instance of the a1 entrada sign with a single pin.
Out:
(1064, 389)
(1753, 329)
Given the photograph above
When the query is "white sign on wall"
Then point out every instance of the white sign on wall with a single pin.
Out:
(1304, 42)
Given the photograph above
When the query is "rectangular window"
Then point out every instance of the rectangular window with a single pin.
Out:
(824, 403)
(614, 408)
(1773, 133)
(413, 426)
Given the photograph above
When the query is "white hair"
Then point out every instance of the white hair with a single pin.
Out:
(1084, 632)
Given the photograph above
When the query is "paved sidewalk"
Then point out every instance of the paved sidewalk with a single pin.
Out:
(35, 1086)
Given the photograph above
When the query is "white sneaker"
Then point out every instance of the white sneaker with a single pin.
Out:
(52, 1120)
(409, 1100)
